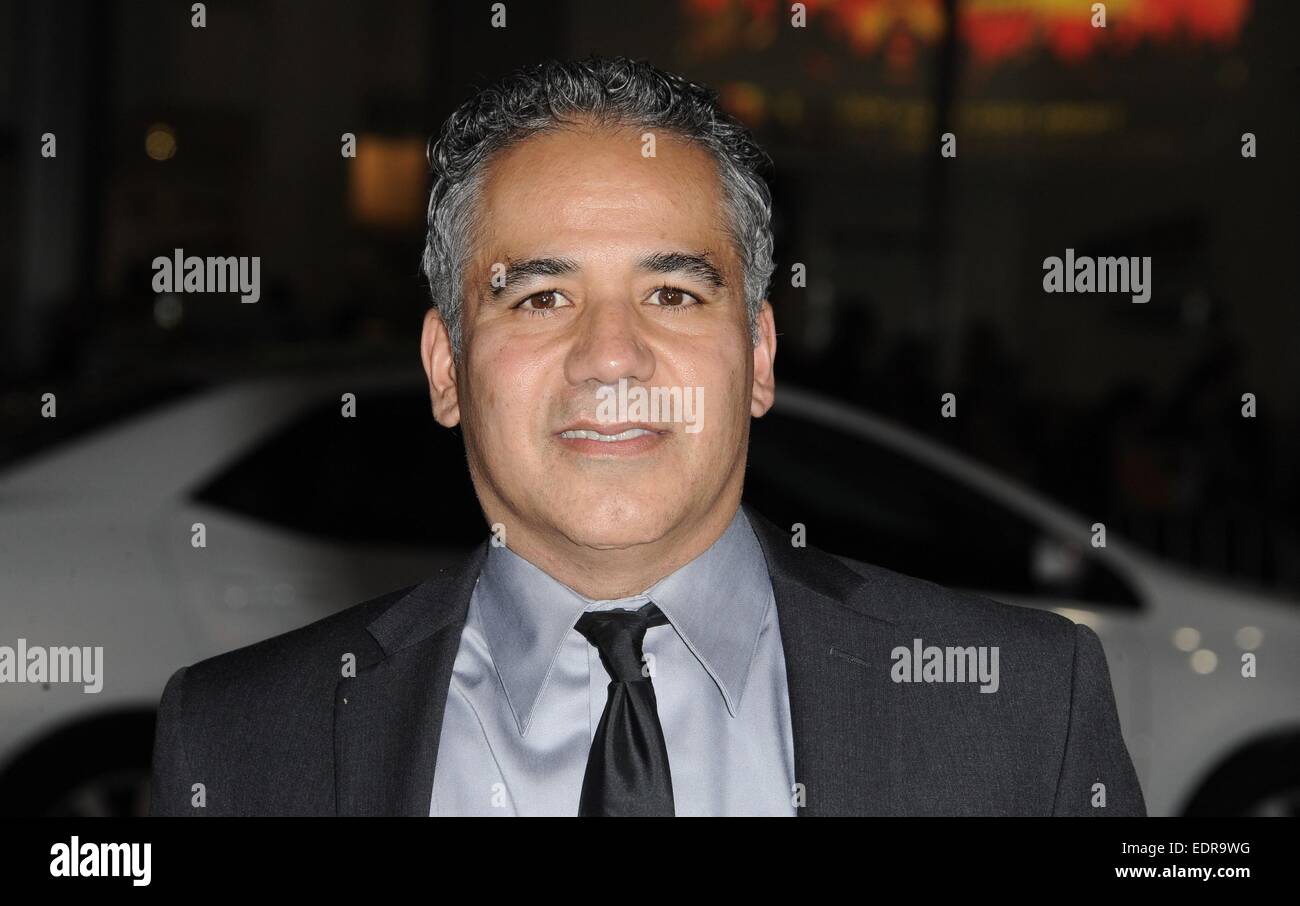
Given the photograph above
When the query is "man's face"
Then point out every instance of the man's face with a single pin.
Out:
(616, 267)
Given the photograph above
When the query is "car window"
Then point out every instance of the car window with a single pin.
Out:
(390, 475)
(393, 476)
(862, 500)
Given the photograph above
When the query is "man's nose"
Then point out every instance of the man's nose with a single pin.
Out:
(609, 346)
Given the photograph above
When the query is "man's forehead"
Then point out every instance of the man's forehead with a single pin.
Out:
(561, 193)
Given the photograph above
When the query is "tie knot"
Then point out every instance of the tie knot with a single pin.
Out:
(617, 635)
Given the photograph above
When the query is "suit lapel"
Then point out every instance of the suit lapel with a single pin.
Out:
(388, 718)
(836, 645)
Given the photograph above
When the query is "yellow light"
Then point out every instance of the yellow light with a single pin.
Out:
(386, 181)
(160, 142)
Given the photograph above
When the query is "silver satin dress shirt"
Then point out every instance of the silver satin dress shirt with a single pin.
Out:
(527, 689)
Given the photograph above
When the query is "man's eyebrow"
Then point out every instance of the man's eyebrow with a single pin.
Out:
(696, 265)
(519, 271)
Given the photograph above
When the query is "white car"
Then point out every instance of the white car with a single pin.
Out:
(257, 507)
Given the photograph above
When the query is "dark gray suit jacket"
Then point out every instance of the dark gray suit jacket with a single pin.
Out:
(275, 729)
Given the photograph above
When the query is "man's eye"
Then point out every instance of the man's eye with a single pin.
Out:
(543, 302)
(674, 298)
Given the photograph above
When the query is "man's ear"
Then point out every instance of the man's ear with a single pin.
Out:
(764, 393)
(440, 366)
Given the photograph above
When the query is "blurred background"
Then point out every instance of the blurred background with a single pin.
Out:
(924, 276)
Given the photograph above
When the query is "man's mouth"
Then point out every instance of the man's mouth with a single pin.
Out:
(624, 439)
(583, 434)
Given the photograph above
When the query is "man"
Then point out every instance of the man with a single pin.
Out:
(631, 640)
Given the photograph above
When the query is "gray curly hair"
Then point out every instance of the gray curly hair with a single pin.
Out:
(604, 91)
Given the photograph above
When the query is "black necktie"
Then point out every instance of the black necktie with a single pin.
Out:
(627, 767)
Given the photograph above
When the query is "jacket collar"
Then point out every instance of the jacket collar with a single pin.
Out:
(717, 604)
(388, 718)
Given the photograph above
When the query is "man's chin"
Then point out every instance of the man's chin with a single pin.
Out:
(622, 523)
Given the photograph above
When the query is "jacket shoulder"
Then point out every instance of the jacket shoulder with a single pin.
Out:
(1042, 743)
(912, 601)
(254, 726)
(319, 644)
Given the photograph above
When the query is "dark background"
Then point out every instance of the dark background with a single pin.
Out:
(924, 273)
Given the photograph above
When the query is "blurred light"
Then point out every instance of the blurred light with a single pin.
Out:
(995, 31)
(160, 142)
(1249, 638)
(1204, 661)
(1187, 639)
(386, 181)
(1056, 562)
(167, 311)
(746, 101)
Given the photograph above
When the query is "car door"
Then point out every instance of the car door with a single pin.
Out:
(331, 508)
(873, 497)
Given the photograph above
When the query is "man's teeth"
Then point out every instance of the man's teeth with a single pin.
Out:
(605, 438)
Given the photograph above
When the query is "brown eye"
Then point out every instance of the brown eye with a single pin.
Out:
(547, 300)
(674, 298)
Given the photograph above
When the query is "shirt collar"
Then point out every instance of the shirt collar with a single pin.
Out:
(717, 604)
